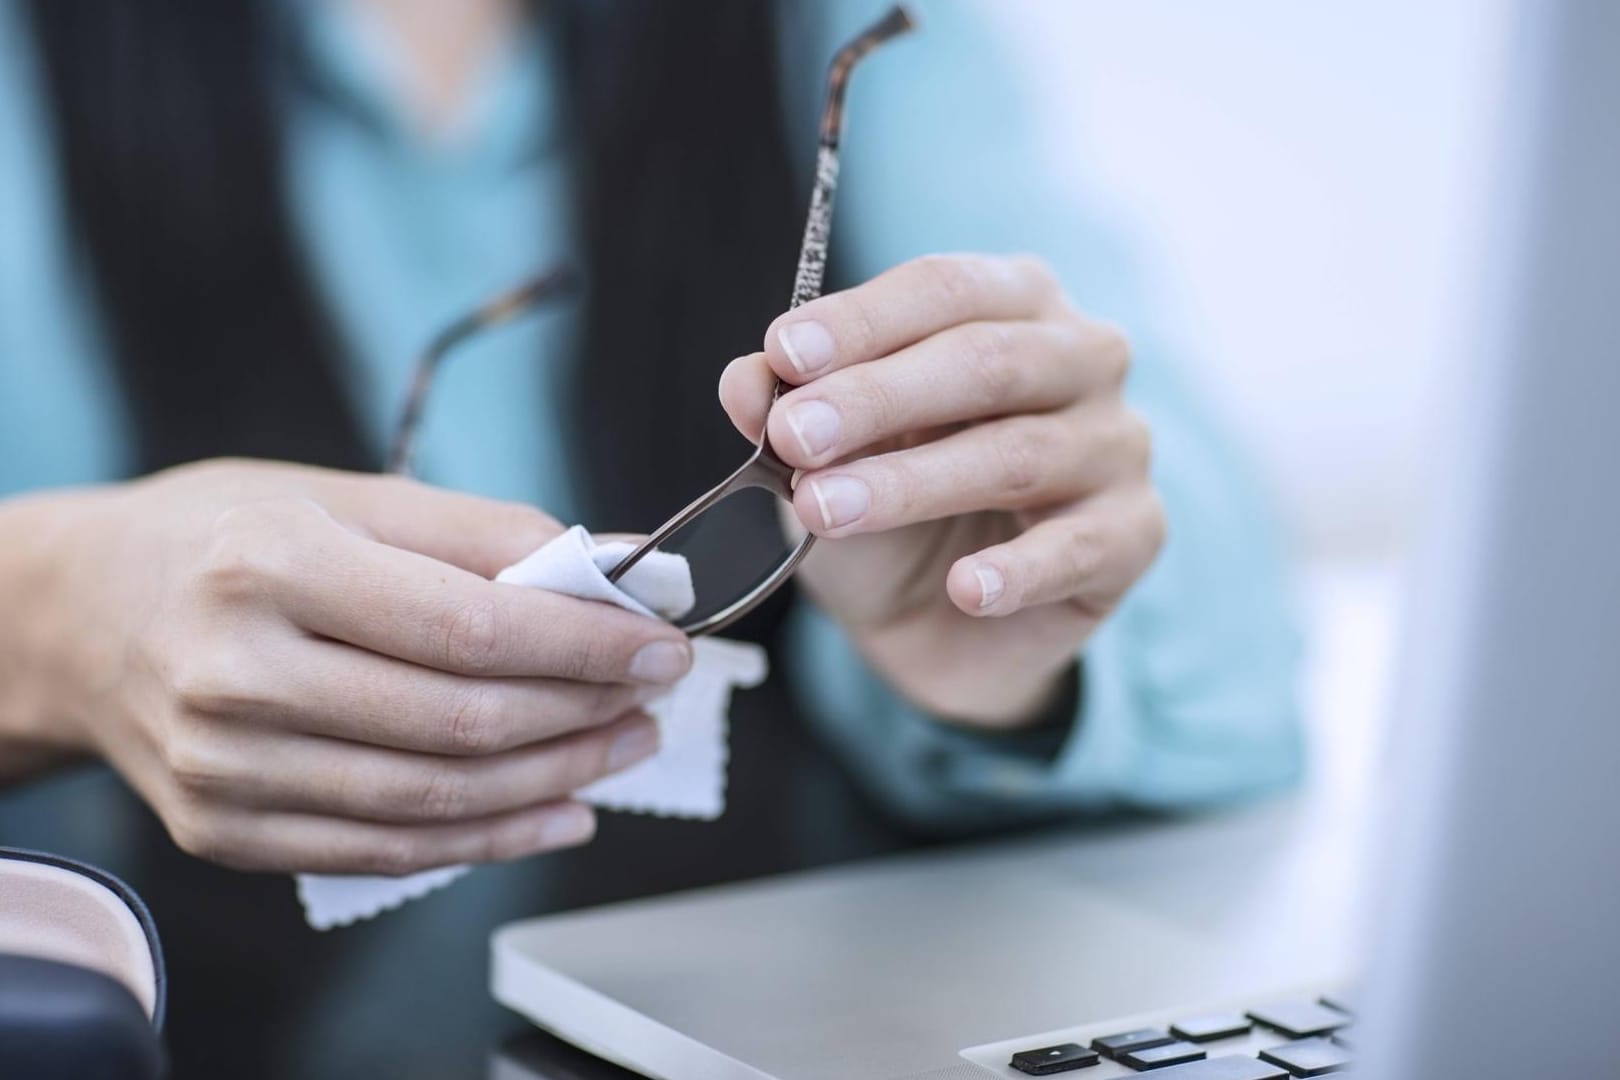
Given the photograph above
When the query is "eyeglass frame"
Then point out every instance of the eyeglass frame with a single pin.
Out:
(763, 469)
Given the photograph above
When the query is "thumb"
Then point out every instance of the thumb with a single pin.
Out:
(481, 535)
(745, 393)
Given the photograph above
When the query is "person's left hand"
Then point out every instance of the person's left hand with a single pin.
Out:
(965, 450)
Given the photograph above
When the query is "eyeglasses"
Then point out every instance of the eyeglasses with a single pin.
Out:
(764, 471)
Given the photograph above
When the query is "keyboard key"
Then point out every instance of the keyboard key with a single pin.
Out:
(1140, 1039)
(1300, 1019)
(1157, 1057)
(1202, 1029)
(1224, 1068)
(1054, 1059)
(1308, 1057)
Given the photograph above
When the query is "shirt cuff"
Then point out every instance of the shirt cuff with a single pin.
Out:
(1107, 753)
(929, 773)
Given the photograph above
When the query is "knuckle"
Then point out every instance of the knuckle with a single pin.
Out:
(245, 551)
(193, 763)
(580, 655)
(1114, 354)
(474, 637)
(242, 558)
(445, 794)
(511, 839)
(395, 853)
(1034, 273)
(195, 832)
(987, 354)
(859, 322)
(200, 683)
(591, 706)
(586, 759)
(605, 702)
(1071, 340)
(948, 277)
(883, 408)
(475, 722)
(350, 784)
(899, 488)
(1020, 456)
(503, 845)
(1082, 555)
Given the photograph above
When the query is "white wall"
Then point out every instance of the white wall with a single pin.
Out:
(1304, 175)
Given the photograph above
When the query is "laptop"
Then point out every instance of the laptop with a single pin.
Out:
(1485, 851)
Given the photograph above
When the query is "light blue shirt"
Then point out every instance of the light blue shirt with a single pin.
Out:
(1189, 690)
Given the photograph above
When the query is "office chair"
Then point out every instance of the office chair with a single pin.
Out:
(81, 974)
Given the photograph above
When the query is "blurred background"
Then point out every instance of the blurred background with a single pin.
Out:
(1304, 183)
(1305, 186)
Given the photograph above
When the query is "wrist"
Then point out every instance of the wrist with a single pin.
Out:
(1009, 691)
(1060, 713)
(45, 572)
(1039, 704)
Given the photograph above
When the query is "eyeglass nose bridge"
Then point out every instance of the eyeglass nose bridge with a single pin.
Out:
(764, 470)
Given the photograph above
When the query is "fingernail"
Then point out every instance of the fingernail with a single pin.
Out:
(660, 662)
(815, 424)
(634, 744)
(991, 584)
(808, 346)
(566, 826)
(842, 499)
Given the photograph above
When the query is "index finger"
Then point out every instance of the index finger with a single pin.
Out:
(470, 531)
(903, 306)
(401, 604)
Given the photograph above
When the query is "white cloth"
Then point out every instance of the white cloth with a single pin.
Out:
(686, 778)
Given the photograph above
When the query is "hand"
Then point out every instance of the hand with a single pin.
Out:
(965, 449)
(309, 670)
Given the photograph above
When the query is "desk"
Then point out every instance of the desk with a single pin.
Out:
(1226, 907)
(255, 993)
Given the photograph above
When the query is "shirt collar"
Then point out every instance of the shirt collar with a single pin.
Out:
(512, 115)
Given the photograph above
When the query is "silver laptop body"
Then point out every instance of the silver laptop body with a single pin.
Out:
(1496, 819)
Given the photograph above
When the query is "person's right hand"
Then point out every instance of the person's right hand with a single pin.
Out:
(310, 670)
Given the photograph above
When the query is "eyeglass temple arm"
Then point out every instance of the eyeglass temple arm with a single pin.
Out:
(812, 269)
(502, 309)
(764, 469)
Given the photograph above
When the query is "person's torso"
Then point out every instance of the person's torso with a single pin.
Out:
(401, 231)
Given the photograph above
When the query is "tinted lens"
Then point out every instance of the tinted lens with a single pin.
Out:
(733, 547)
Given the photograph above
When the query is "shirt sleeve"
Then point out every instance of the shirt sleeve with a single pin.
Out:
(1187, 693)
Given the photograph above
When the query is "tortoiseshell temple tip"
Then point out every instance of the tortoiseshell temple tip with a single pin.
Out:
(509, 305)
(896, 22)
(899, 20)
(558, 281)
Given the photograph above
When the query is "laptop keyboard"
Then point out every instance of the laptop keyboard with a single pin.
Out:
(1280, 1040)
